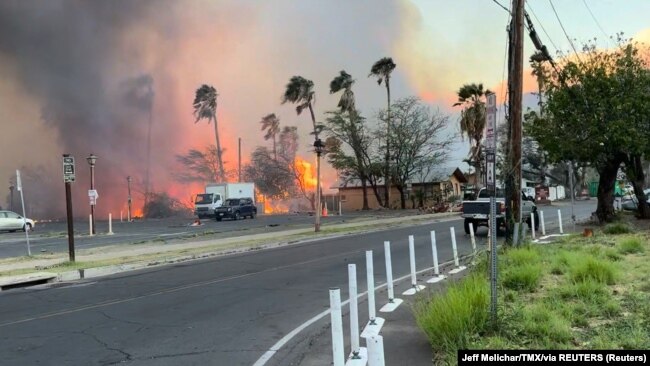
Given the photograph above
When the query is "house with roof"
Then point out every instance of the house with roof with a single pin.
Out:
(438, 185)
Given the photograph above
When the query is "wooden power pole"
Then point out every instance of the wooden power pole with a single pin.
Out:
(515, 91)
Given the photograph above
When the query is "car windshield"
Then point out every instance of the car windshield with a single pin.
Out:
(203, 198)
(232, 202)
(485, 194)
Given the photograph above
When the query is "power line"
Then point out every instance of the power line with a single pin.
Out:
(502, 7)
(596, 21)
(564, 30)
(542, 25)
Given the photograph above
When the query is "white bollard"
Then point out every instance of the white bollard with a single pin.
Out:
(472, 237)
(559, 220)
(541, 221)
(90, 224)
(532, 225)
(376, 351)
(515, 235)
(374, 323)
(436, 269)
(393, 302)
(110, 224)
(354, 311)
(455, 249)
(338, 352)
(414, 284)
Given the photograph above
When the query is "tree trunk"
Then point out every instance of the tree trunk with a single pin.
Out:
(387, 174)
(222, 172)
(636, 175)
(364, 186)
(606, 183)
(375, 190)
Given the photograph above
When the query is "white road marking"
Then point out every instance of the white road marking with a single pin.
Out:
(279, 344)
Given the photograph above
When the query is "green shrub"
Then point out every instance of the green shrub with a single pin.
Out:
(617, 228)
(589, 291)
(631, 245)
(596, 269)
(452, 318)
(522, 278)
(542, 324)
(521, 256)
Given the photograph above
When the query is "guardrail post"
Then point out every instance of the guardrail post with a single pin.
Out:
(110, 224)
(559, 219)
(458, 268)
(541, 220)
(393, 302)
(90, 224)
(338, 352)
(436, 269)
(473, 238)
(374, 323)
(414, 284)
(354, 311)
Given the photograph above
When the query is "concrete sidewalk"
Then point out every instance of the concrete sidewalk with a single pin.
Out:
(118, 258)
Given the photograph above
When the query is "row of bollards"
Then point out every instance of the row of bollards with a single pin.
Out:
(373, 354)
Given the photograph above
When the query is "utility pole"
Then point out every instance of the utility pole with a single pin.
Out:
(68, 178)
(515, 86)
(128, 212)
(239, 160)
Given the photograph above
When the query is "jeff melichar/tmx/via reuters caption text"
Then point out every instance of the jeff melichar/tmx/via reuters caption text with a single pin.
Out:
(541, 357)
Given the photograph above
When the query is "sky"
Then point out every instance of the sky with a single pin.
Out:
(66, 66)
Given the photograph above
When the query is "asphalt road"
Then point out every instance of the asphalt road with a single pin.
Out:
(52, 236)
(223, 311)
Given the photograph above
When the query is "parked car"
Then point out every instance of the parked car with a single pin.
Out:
(632, 203)
(11, 221)
(236, 208)
(476, 213)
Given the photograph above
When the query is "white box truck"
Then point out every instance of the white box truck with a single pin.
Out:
(216, 193)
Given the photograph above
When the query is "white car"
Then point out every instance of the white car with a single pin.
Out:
(11, 221)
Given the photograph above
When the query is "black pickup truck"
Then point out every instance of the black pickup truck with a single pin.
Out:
(236, 208)
(477, 212)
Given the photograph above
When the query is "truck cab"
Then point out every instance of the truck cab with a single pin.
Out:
(476, 213)
(206, 204)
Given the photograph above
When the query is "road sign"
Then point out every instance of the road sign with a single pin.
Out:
(68, 169)
(491, 122)
(490, 174)
(92, 195)
(19, 183)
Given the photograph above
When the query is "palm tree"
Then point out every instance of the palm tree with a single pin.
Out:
(347, 104)
(382, 70)
(205, 106)
(271, 124)
(472, 122)
(300, 91)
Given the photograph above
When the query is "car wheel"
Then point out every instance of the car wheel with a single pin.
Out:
(253, 215)
(27, 227)
(236, 217)
(218, 218)
(467, 224)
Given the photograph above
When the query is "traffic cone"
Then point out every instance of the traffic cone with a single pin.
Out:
(324, 213)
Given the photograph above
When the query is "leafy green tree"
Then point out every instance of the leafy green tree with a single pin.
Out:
(472, 123)
(271, 124)
(382, 70)
(417, 139)
(596, 113)
(205, 107)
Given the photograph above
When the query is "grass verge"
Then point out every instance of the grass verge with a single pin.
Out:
(578, 293)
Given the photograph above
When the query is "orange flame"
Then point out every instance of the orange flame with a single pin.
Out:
(275, 207)
(307, 173)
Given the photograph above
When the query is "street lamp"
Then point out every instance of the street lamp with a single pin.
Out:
(318, 147)
(128, 183)
(92, 159)
(11, 197)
